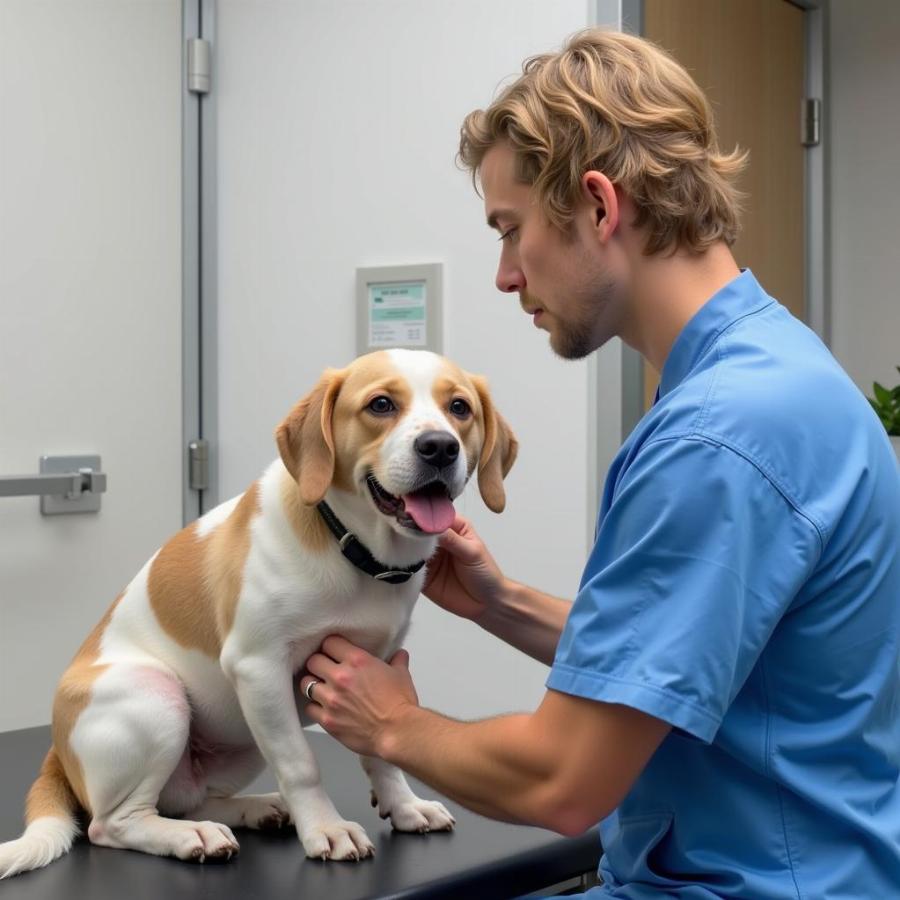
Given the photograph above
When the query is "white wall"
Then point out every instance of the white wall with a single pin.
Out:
(338, 127)
(865, 211)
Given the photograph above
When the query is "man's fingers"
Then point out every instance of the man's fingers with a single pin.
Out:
(459, 546)
(317, 691)
(459, 523)
(450, 539)
(315, 712)
(338, 648)
(400, 660)
(460, 526)
(321, 665)
(447, 540)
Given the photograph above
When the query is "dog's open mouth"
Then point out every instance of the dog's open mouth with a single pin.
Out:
(428, 509)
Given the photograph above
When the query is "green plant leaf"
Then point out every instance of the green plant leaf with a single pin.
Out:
(882, 394)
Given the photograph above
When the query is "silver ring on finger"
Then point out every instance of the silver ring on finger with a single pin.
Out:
(308, 690)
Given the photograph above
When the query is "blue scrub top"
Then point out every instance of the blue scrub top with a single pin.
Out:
(745, 587)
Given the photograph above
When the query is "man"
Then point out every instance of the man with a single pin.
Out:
(724, 688)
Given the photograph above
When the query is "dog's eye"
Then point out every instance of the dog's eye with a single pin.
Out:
(381, 406)
(460, 408)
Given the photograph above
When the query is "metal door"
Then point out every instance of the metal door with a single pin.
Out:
(90, 314)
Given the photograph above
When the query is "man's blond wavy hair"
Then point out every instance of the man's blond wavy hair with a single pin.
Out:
(620, 105)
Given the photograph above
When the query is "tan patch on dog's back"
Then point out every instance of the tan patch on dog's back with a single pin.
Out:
(178, 594)
(194, 582)
(223, 563)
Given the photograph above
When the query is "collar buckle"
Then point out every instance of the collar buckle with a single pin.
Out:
(394, 576)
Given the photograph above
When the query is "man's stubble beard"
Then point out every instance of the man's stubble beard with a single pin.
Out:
(584, 332)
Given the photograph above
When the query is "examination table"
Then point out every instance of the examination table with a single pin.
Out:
(480, 860)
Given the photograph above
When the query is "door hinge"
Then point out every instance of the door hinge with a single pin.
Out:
(198, 473)
(199, 65)
(811, 121)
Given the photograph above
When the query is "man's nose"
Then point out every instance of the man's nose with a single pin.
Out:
(509, 279)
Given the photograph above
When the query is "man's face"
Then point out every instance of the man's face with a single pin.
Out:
(564, 280)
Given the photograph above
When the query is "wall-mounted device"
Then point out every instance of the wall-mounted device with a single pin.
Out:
(399, 306)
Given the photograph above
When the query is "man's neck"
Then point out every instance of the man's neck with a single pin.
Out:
(666, 294)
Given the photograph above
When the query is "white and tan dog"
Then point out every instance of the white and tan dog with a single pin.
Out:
(185, 689)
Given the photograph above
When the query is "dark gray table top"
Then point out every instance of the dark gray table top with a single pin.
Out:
(480, 859)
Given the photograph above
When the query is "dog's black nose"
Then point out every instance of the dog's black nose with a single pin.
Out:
(437, 448)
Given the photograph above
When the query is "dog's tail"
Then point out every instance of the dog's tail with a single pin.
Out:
(51, 823)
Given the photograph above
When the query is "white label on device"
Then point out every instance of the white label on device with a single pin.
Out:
(397, 314)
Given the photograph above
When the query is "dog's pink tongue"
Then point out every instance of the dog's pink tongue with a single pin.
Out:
(433, 514)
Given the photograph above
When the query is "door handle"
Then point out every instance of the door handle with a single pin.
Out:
(70, 484)
(66, 484)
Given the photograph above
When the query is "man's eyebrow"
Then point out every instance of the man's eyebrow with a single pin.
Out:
(492, 219)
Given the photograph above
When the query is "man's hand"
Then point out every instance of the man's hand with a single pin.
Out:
(357, 695)
(464, 579)
(462, 576)
(539, 768)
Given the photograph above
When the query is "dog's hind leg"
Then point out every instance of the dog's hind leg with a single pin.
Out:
(226, 773)
(265, 812)
(131, 741)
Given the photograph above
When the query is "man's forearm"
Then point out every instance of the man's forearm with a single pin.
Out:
(528, 620)
(565, 766)
(496, 767)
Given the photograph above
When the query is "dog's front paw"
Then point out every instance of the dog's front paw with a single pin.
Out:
(419, 815)
(337, 840)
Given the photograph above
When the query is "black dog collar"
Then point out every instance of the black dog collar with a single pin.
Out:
(356, 552)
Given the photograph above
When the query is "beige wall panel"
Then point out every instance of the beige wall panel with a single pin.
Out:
(748, 55)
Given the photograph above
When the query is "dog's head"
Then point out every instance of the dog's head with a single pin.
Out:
(405, 430)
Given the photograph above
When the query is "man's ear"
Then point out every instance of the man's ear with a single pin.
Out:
(305, 439)
(498, 453)
(600, 195)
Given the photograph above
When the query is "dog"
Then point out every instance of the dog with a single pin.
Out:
(186, 687)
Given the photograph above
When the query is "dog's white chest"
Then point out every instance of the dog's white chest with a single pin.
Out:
(374, 616)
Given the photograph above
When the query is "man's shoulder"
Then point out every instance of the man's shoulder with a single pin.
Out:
(771, 392)
(772, 381)
(768, 376)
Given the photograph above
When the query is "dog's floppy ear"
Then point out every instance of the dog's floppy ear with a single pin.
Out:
(305, 438)
(498, 453)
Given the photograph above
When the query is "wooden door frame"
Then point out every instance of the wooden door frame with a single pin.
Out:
(816, 198)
